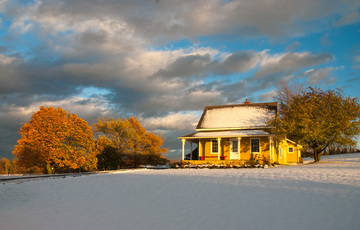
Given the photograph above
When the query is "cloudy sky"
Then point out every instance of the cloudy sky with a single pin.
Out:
(163, 61)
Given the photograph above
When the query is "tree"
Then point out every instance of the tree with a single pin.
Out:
(109, 158)
(125, 142)
(285, 93)
(4, 166)
(58, 139)
(318, 119)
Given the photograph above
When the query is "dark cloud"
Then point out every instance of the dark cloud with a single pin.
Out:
(93, 38)
(174, 19)
(292, 62)
(205, 65)
(237, 62)
(185, 66)
(28, 80)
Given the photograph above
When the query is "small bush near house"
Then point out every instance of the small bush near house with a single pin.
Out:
(301, 160)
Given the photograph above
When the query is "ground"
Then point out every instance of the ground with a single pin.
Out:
(311, 196)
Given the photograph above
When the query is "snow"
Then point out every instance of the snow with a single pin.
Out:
(235, 133)
(236, 117)
(310, 196)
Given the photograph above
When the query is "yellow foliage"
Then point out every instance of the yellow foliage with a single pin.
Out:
(126, 141)
(52, 136)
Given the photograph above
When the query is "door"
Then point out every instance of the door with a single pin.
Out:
(234, 151)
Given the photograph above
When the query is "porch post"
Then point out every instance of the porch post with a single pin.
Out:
(219, 147)
(285, 152)
(270, 149)
(278, 151)
(191, 150)
(183, 148)
(200, 150)
(239, 145)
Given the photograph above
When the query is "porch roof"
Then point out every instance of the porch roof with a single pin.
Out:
(225, 134)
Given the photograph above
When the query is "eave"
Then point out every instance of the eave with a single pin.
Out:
(242, 128)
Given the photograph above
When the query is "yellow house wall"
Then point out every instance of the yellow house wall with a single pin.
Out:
(292, 157)
(286, 157)
(245, 151)
(206, 149)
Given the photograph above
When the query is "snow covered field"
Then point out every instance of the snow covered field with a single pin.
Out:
(311, 196)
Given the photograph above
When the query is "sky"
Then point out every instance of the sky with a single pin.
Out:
(163, 61)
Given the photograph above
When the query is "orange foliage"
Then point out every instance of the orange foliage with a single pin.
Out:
(130, 140)
(52, 136)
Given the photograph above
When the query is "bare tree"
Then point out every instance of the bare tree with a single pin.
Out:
(285, 92)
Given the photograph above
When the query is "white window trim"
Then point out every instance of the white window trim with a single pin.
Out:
(211, 146)
(251, 146)
(293, 149)
(231, 145)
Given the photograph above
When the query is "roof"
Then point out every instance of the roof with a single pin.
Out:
(240, 116)
(224, 134)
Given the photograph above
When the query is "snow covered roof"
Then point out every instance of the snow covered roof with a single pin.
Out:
(223, 134)
(241, 116)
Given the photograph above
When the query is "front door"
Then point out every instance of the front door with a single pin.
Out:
(234, 153)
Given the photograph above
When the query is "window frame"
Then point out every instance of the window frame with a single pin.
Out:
(293, 149)
(251, 149)
(211, 146)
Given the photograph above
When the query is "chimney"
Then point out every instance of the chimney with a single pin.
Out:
(247, 102)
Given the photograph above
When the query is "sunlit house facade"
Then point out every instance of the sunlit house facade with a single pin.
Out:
(237, 134)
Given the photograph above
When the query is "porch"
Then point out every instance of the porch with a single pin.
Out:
(227, 146)
(223, 163)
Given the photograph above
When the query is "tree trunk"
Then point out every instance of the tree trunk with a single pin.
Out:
(317, 155)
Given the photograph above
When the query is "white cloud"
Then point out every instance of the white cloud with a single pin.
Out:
(324, 40)
(268, 96)
(89, 109)
(176, 121)
(331, 80)
(201, 95)
(315, 76)
(4, 60)
(293, 46)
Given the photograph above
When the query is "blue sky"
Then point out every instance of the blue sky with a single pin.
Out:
(164, 61)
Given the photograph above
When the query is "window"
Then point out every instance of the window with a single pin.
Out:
(214, 146)
(255, 145)
(234, 146)
(291, 149)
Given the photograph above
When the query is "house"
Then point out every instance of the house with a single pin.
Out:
(237, 134)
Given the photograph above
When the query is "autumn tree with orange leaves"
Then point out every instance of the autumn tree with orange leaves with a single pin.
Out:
(125, 143)
(56, 140)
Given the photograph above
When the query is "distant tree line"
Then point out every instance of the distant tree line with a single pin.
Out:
(332, 150)
(11, 167)
(54, 141)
